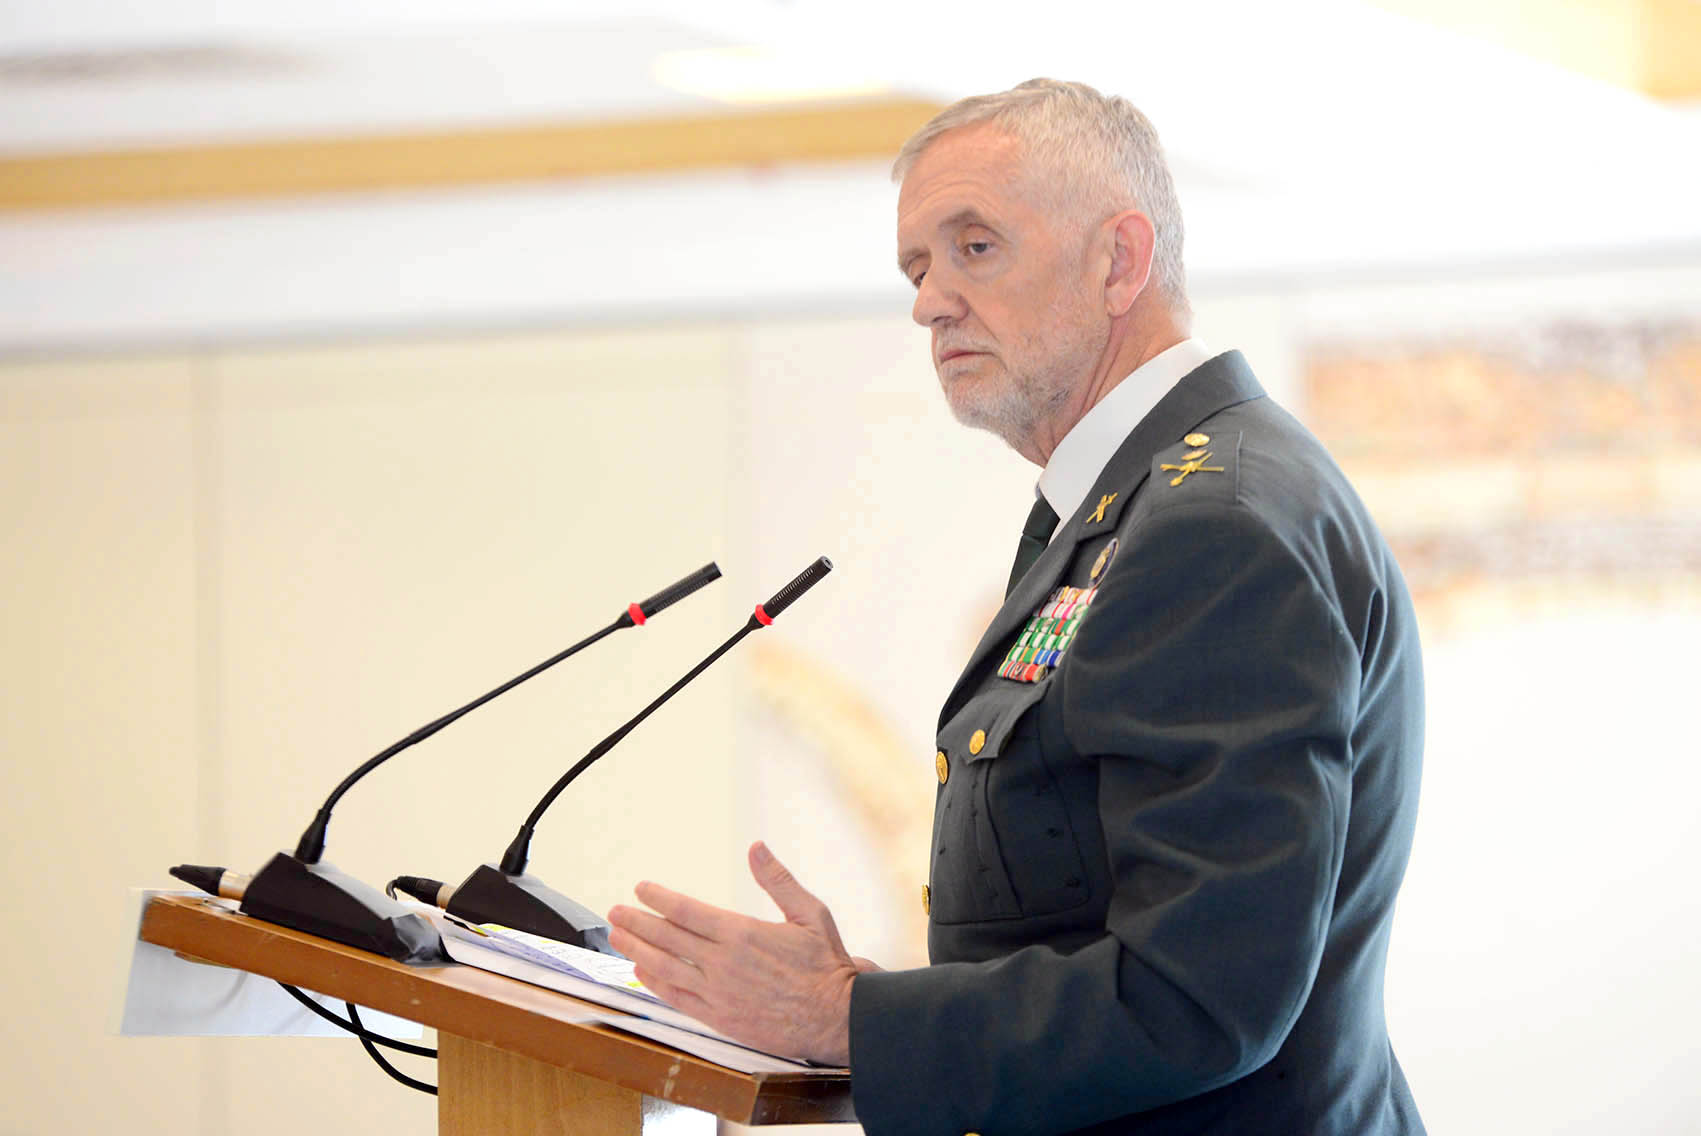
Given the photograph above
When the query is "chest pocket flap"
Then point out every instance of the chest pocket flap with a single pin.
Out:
(981, 729)
(1003, 846)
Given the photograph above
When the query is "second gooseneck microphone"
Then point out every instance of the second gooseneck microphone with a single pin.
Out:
(504, 893)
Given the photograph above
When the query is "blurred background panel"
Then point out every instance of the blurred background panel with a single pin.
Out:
(353, 357)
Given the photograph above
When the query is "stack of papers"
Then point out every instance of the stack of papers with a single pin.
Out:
(608, 981)
(614, 979)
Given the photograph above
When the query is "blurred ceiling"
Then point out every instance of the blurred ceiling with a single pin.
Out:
(1310, 136)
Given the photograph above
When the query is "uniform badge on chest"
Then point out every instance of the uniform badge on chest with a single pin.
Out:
(1040, 647)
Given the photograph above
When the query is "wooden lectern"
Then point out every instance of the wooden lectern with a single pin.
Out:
(511, 1056)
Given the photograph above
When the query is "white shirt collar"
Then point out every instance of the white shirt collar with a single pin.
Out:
(1088, 447)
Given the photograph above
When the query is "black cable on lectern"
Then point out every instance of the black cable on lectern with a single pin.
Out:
(354, 1028)
(372, 1052)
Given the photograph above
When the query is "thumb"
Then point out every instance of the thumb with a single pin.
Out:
(795, 901)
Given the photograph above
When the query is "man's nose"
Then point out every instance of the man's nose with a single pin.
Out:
(936, 300)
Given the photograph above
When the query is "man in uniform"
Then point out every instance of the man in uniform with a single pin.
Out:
(1179, 775)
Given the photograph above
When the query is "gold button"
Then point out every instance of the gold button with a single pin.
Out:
(941, 766)
(978, 741)
(926, 900)
(1197, 440)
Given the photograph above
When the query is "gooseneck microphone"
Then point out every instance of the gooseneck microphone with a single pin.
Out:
(312, 843)
(504, 893)
(514, 860)
(301, 892)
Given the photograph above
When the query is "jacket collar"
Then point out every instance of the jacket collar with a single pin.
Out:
(1224, 381)
(1084, 452)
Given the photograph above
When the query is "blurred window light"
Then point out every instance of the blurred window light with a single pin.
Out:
(747, 76)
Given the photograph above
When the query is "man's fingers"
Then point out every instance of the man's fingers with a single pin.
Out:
(798, 904)
(676, 996)
(663, 933)
(692, 914)
(668, 970)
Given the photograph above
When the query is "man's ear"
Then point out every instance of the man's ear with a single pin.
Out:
(1132, 241)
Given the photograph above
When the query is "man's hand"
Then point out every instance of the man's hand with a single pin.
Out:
(781, 987)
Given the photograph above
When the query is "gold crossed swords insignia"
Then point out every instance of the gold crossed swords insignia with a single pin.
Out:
(1190, 463)
(1098, 514)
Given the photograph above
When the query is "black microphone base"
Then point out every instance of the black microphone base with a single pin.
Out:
(526, 903)
(322, 901)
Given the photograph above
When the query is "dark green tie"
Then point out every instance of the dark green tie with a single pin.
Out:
(1035, 535)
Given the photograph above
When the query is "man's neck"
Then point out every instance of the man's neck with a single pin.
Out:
(1129, 348)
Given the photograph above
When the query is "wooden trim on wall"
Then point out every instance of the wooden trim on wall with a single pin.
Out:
(855, 131)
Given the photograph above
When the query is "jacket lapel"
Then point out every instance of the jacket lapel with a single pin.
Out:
(1216, 385)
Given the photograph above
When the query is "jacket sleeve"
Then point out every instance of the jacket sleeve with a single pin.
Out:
(1215, 686)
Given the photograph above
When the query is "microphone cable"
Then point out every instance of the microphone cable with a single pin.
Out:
(372, 1052)
(369, 1040)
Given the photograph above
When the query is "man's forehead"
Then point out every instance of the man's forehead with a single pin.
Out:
(968, 153)
(967, 175)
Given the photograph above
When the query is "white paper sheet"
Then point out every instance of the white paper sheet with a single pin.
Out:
(169, 996)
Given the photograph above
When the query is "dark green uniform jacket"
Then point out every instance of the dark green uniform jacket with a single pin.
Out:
(1165, 853)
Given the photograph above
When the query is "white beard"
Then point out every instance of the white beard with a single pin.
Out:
(1017, 404)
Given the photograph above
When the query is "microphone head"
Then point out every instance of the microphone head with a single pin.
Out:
(673, 593)
(805, 580)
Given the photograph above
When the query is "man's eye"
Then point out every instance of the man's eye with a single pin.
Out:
(918, 278)
(976, 247)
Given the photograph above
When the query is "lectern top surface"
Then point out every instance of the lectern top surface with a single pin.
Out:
(496, 1011)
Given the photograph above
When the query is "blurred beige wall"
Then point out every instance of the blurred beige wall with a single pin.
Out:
(99, 713)
(233, 576)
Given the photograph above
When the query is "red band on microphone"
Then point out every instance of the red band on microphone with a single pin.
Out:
(637, 614)
(763, 617)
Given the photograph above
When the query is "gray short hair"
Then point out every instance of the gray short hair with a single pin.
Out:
(1102, 152)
